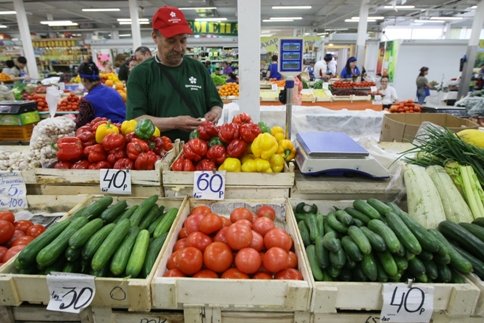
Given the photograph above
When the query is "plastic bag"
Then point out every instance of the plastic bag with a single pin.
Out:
(52, 97)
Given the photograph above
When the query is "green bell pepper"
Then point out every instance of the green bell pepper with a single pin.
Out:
(144, 129)
(215, 141)
(194, 134)
(302, 208)
(264, 127)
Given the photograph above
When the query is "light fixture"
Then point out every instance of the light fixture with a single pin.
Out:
(334, 29)
(59, 23)
(354, 20)
(124, 35)
(101, 9)
(425, 21)
(474, 7)
(266, 35)
(129, 22)
(291, 7)
(129, 19)
(285, 18)
(3, 26)
(8, 12)
(398, 7)
(198, 8)
(278, 20)
(446, 18)
(369, 18)
(210, 19)
(321, 34)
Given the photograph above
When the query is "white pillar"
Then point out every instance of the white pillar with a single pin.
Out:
(135, 29)
(448, 29)
(249, 19)
(362, 28)
(23, 26)
(114, 34)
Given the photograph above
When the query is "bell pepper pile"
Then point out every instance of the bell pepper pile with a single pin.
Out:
(239, 146)
(102, 144)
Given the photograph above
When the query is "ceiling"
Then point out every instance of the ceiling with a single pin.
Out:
(324, 14)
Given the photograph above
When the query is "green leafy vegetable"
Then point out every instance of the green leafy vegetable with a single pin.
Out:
(217, 79)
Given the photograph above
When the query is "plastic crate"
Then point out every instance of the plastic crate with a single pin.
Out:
(16, 132)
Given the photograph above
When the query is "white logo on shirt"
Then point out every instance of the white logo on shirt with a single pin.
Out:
(192, 80)
(193, 87)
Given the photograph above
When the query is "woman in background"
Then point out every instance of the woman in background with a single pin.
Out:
(350, 69)
(108, 67)
(423, 86)
(9, 64)
(232, 78)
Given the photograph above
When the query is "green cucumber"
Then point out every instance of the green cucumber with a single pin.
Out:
(166, 222)
(337, 259)
(366, 209)
(328, 228)
(313, 263)
(159, 218)
(331, 242)
(358, 223)
(416, 267)
(421, 278)
(142, 210)
(425, 255)
(395, 278)
(91, 246)
(111, 213)
(350, 263)
(320, 224)
(72, 254)
(368, 265)
(431, 269)
(409, 255)
(456, 259)
(444, 260)
(333, 272)
(344, 217)
(402, 232)
(402, 262)
(126, 214)
(304, 231)
(78, 239)
(377, 243)
(77, 214)
(382, 275)
(477, 265)
(72, 267)
(358, 274)
(357, 215)
(445, 275)
(95, 209)
(335, 224)
(300, 217)
(351, 249)
(474, 229)
(121, 256)
(360, 239)
(153, 251)
(57, 265)
(457, 277)
(312, 225)
(378, 205)
(391, 240)
(345, 275)
(149, 218)
(388, 263)
(109, 245)
(479, 221)
(322, 254)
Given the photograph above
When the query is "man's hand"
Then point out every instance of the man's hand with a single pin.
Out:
(214, 114)
(187, 123)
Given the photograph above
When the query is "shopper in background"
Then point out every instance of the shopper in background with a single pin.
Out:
(7, 69)
(326, 68)
(350, 69)
(172, 90)
(132, 63)
(423, 85)
(296, 91)
(232, 78)
(209, 68)
(226, 68)
(100, 101)
(310, 70)
(388, 92)
(142, 53)
(17, 72)
(124, 69)
(272, 72)
(108, 67)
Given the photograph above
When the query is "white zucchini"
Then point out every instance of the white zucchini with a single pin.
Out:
(424, 204)
(455, 207)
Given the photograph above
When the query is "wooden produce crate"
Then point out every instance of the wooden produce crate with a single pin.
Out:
(456, 300)
(38, 313)
(342, 97)
(479, 311)
(133, 294)
(216, 297)
(374, 317)
(108, 315)
(361, 97)
(237, 185)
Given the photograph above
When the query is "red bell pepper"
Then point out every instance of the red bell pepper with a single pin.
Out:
(182, 164)
(86, 135)
(145, 161)
(249, 131)
(242, 118)
(101, 164)
(116, 154)
(97, 122)
(114, 141)
(130, 136)
(206, 164)
(195, 149)
(217, 153)
(207, 130)
(228, 132)
(237, 148)
(124, 163)
(95, 153)
(157, 145)
(82, 164)
(167, 142)
(63, 165)
(136, 147)
(70, 149)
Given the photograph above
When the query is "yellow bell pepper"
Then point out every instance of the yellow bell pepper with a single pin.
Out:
(230, 165)
(277, 163)
(246, 157)
(288, 149)
(157, 132)
(277, 132)
(256, 165)
(264, 146)
(104, 130)
(128, 126)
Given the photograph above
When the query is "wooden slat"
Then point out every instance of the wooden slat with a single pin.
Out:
(40, 313)
(95, 189)
(231, 192)
(374, 317)
(257, 317)
(6, 314)
(479, 311)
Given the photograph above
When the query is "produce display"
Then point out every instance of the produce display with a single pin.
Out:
(320, 93)
(229, 89)
(71, 103)
(218, 80)
(405, 107)
(40, 100)
(102, 239)
(350, 85)
(269, 95)
(5, 77)
(346, 92)
(242, 246)
(280, 83)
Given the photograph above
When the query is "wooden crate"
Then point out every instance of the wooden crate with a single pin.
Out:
(360, 97)
(374, 317)
(37, 313)
(235, 295)
(479, 311)
(133, 294)
(108, 315)
(237, 185)
(213, 314)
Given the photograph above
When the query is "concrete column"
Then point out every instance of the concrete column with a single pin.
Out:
(249, 19)
(23, 26)
(114, 34)
(448, 28)
(362, 28)
(471, 52)
(135, 29)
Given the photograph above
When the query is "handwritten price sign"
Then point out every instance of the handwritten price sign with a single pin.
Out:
(70, 292)
(209, 185)
(115, 181)
(13, 193)
(407, 304)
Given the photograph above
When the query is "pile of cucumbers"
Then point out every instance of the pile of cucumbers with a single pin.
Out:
(377, 242)
(101, 239)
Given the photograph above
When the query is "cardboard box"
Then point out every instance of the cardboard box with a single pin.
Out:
(404, 127)
(19, 119)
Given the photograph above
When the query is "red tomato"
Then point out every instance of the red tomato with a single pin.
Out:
(6, 231)
(174, 273)
(278, 237)
(244, 222)
(292, 260)
(35, 230)
(3, 250)
(206, 273)
(211, 223)
(16, 234)
(263, 225)
(218, 257)
(192, 223)
(7, 216)
(221, 235)
(183, 233)
(22, 225)
(25, 240)
(171, 262)
(189, 260)
(198, 240)
(239, 236)
(257, 241)
(266, 211)
(180, 244)
(12, 252)
(275, 259)
(240, 213)
(248, 260)
(261, 275)
(262, 268)
(289, 273)
(226, 222)
(202, 209)
(234, 273)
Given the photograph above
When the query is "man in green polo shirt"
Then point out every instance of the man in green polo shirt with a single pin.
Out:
(151, 93)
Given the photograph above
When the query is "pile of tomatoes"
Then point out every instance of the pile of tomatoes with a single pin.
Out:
(40, 100)
(15, 235)
(71, 103)
(350, 85)
(405, 107)
(244, 246)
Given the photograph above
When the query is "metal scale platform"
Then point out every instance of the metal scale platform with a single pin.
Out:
(335, 154)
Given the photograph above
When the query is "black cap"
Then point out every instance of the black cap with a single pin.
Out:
(328, 57)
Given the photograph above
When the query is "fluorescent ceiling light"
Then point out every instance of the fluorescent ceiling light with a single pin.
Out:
(8, 12)
(129, 22)
(50, 22)
(353, 20)
(285, 18)
(101, 9)
(320, 34)
(425, 21)
(210, 19)
(279, 20)
(124, 35)
(129, 19)
(336, 29)
(266, 35)
(474, 7)
(291, 7)
(398, 7)
(369, 18)
(3, 26)
(446, 18)
(198, 8)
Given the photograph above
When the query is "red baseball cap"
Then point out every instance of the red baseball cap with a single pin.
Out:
(170, 21)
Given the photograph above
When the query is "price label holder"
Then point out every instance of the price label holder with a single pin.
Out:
(13, 192)
(373, 89)
(325, 86)
(115, 181)
(407, 303)
(70, 292)
(209, 185)
(274, 87)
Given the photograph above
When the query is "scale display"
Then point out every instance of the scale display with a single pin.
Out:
(290, 56)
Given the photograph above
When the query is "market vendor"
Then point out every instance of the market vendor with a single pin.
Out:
(325, 68)
(172, 90)
(388, 92)
(272, 72)
(350, 69)
(101, 101)
(17, 72)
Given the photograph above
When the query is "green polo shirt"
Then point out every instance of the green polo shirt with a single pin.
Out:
(150, 92)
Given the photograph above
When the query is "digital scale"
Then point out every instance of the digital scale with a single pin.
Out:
(335, 154)
(460, 112)
(17, 107)
(290, 56)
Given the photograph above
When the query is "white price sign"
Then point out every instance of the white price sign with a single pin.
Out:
(13, 193)
(209, 185)
(325, 86)
(70, 292)
(373, 89)
(274, 87)
(115, 181)
(402, 303)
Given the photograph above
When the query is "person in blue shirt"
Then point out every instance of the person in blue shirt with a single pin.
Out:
(273, 73)
(310, 70)
(350, 69)
(232, 78)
